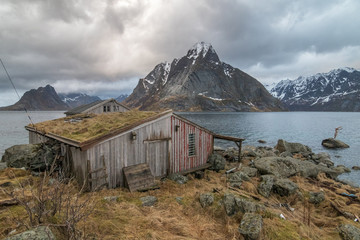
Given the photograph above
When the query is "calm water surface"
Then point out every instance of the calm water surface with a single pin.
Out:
(12, 126)
(309, 128)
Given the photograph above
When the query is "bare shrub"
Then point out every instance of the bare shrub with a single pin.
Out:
(55, 201)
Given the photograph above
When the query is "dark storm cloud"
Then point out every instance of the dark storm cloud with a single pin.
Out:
(103, 47)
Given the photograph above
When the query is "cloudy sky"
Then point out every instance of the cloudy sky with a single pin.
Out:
(104, 47)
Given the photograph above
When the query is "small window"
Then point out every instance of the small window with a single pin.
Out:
(191, 144)
(104, 108)
(108, 108)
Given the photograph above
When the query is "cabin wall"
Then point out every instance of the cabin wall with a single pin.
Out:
(151, 146)
(112, 106)
(181, 160)
(35, 138)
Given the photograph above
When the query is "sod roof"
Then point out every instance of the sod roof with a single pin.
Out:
(86, 127)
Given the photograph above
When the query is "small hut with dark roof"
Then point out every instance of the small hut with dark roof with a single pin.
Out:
(99, 107)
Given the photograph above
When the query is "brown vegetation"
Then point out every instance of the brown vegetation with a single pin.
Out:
(125, 218)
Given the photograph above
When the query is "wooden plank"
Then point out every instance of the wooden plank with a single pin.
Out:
(229, 138)
(138, 177)
(202, 167)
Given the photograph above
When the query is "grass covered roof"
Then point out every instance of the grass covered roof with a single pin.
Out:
(85, 127)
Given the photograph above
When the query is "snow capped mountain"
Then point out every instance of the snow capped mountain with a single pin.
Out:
(199, 81)
(77, 99)
(337, 90)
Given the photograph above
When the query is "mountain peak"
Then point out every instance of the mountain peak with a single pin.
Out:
(200, 81)
(201, 49)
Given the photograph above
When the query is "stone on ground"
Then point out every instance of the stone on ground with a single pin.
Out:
(148, 201)
(334, 143)
(251, 226)
(349, 232)
(206, 199)
(40, 233)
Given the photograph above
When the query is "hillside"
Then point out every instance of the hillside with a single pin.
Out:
(337, 90)
(41, 99)
(315, 209)
(199, 81)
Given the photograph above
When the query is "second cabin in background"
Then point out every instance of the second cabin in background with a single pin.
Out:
(99, 107)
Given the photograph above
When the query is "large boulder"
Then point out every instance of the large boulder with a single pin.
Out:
(246, 206)
(324, 158)
(349, 232)
(251, 172)
(334, 143)
(229, 204)
(217, 162)
(266, 185)
(284, 146)
(284, 187)
(41, 232)
(206, 199)
(251, 226)
(235, 179)
(36, 157)
(287, 167)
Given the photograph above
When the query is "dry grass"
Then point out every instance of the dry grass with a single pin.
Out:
(168, 219)
(84, 127)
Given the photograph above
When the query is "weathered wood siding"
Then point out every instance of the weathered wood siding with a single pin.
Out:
(113, 106)
(35, 138)
(151, 146)
(180, 159)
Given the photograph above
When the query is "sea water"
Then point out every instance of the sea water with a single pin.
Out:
(308, 128)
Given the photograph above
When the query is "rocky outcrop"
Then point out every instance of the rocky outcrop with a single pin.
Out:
(199, 81)
(334, 143)
(284, 187)
(284, 146)
(251, 226)
(287, 167)
(36, 157)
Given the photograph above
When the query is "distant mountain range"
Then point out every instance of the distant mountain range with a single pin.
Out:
(199, 81)
(337, 90)
(47, 99)
(77, 99)
(43, 98)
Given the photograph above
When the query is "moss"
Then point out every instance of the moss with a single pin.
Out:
(280, 229)
(84, 127)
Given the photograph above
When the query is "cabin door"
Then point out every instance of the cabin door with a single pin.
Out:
(157, 156)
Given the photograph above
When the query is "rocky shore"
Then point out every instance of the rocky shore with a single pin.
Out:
(285, 192)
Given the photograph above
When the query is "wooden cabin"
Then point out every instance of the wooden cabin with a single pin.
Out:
(164, 141)
(99, 107)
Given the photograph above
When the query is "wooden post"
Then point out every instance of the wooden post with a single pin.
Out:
(239, 144)
(88, 175)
